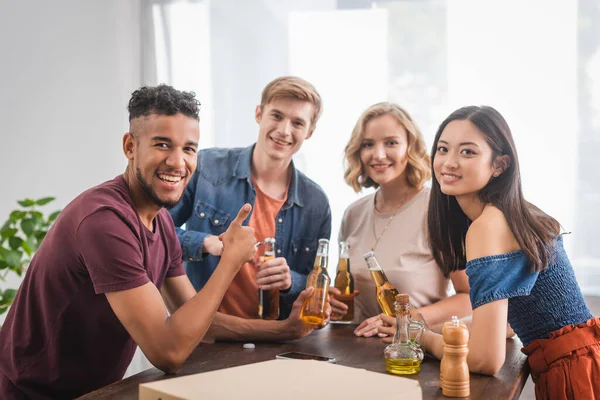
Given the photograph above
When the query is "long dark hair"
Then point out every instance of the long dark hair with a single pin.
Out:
(448, 224)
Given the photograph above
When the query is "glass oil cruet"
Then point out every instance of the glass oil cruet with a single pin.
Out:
(404, 355)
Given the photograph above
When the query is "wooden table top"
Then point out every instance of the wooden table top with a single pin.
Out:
(336, 341)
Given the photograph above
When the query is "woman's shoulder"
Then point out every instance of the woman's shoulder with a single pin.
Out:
(489, 235)
(360, 205)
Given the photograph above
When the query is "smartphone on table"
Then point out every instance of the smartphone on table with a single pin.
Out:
(295, 355)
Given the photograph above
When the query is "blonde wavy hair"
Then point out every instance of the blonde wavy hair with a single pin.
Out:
(292, 87)
(418, 169)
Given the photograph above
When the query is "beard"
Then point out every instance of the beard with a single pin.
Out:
(147, 188)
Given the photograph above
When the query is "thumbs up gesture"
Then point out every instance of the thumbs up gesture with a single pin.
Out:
(239, 241)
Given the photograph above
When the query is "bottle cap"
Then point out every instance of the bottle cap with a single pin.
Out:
(368, 255)
(402, 298)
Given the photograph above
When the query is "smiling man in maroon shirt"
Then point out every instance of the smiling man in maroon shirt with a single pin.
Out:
(111, 266)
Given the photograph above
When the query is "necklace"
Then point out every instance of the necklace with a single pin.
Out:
(390, 219)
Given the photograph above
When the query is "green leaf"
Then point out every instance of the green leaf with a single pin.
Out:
(18, 270)
(26, 203)
(44, 201)
(26, 248)
(7, 233)
(15, 242)
(3, 264)
(17, 215)
(13, 258)
(33, 243)
(28, 225)
(40, 235)
(53, 216)
(38, 220)
(6, 225)
(6, 299)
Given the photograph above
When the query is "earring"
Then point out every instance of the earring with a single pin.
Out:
(496, 175)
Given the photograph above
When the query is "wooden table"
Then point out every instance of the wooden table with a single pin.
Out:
(339, 342)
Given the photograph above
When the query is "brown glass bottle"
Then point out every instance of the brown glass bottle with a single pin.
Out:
(344, 282)
(313, 309)
(385, 292)
(268, 300)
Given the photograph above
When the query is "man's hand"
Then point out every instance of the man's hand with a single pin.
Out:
(338, 309)
(274, 274)
(295, 326)
(239, 241)
(212, 245)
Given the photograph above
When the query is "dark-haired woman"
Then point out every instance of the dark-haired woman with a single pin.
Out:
(518, 269)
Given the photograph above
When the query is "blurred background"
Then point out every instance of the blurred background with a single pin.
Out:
(68, 67)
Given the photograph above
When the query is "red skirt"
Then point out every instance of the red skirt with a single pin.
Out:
(567, 365)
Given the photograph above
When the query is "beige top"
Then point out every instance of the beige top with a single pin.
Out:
(403, 253)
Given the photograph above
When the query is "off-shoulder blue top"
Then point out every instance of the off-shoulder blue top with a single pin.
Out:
(538, 303)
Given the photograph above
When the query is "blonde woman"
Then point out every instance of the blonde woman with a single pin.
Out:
(386, 151)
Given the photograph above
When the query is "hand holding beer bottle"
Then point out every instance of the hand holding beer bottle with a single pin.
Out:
(313, 310)
(295, 326)
(268, 300)
(343, 290)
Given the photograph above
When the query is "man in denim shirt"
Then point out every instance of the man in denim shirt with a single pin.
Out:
(286, 205)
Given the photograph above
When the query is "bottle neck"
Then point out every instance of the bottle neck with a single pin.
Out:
(270, 252)
(402, 324)
(344, 250)
(376, 272)
(344, 264)
(269, 248)
(321, 263)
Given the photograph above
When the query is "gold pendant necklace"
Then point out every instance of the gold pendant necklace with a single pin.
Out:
(390, 219)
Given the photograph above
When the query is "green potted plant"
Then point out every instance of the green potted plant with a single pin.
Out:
(20, 237)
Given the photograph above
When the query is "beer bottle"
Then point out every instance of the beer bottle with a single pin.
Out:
(344, 281)
(385, 292)
(313, 309)
(268, 301)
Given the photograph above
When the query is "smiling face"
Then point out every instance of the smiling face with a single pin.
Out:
(283, 125)
(383, 150)
(463, 159)
(162, 151)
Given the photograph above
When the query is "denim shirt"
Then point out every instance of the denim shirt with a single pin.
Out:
(538, 302)
(221, 185)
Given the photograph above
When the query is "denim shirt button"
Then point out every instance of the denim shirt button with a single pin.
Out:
(216, 221)
(191, 259)
(307, 249)
(280, 220)
(278, 251)
(202, 215)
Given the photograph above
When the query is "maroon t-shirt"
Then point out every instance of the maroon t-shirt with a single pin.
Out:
(61, 339)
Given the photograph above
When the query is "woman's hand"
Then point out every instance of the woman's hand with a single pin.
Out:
(370, 326)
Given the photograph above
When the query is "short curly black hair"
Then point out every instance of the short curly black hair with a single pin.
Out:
(162, 100)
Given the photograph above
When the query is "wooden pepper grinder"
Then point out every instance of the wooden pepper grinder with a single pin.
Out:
(454, 370)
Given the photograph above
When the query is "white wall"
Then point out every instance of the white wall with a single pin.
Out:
(67, 69)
